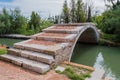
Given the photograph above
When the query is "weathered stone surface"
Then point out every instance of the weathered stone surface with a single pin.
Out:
(32, 55)
(36, 66)
(53, 46)
(60, 68)
(11, 58)
(74, 31)
(26, 63)
(48, 49)
(55, 37)
(14, 51)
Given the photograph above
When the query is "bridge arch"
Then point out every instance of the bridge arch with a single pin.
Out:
(52, 46)
(87, 34)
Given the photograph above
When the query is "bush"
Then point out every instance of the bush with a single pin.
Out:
(70, 72)
(108, 36)
(111, 23)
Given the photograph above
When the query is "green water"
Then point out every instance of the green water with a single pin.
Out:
(102, 57)
(9, 42)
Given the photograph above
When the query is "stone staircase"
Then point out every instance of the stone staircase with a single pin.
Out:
(39, 53)
(46, 49)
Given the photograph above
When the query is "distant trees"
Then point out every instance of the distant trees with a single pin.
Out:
(14, 22)
(17, 21)
(75, 13)
(80, 14)
(114, 3)
(89, 17)
(66, 14)
(11, 22)
(109, 23)
(34, 22)
(5, 24)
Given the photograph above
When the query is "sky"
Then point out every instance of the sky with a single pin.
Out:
(45, 8)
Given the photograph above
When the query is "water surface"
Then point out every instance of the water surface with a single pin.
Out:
(9, 42)
(103, 57)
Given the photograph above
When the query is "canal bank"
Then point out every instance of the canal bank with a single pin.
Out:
(105, 42)
(103, 57)
(15, 36)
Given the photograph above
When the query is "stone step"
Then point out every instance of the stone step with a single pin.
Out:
(45, 58)
(61, 37)
(75, 24)
(26, 63)
(64, 29)
(47, 47)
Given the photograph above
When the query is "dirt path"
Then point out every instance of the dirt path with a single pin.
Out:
(11, 72)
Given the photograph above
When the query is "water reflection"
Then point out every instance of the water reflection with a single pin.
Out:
(99, 64)
(100, 57)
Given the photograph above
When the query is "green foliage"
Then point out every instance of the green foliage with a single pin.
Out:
(111, 23)
(4, 22)
(17, 21)
(70, 72)
(34, 21)
(89, 14)
(114, 3)
(66, 14)
(97, 20)
(80, 14)
(108, 36)
(13, 22)
(3, 51)
(58, 71)
(87, 75)
(75, 13)
(45, 24)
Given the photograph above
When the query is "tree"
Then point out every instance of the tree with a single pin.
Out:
(89, 6)
(34, 22)
(17, 21)
(73, 11)
(5, 22)
(89, 14)
(111, 23)
(114, 3)
(66, 15)
(80, 15)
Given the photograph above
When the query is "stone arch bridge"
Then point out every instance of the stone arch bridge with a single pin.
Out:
(50, 47)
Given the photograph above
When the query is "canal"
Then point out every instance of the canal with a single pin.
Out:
(100, 57)
(9, 42)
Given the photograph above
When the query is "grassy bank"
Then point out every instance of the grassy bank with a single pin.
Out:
(3, 51)
(108, 40)
(75, 71)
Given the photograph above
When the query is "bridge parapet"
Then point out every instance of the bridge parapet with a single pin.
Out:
(51, 47)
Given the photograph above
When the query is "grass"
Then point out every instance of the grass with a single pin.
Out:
(110, 37)
(73, 75)
(3, 51)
